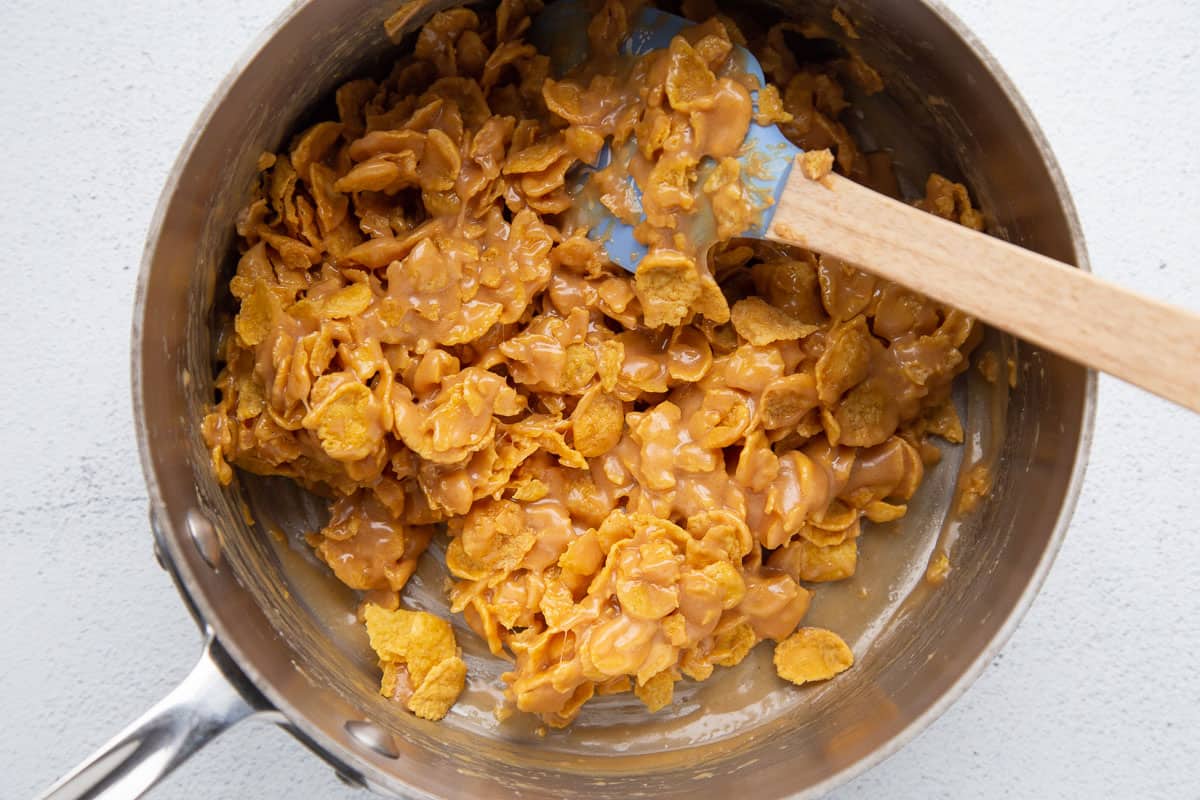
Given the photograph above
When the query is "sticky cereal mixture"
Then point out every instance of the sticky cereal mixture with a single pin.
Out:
(641, 477)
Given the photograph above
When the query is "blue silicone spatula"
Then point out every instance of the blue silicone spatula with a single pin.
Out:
(560, 31)
(1052, 304)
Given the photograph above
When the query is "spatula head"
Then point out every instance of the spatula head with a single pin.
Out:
(560, 31)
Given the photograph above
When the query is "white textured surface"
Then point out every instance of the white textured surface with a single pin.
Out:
(1095, 696)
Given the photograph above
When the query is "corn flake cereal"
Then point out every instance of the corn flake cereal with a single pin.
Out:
(636, 478)
(816, 164)
(761, 323)
(597, 423)
(812, 654)
(657, 692)
(421, 658)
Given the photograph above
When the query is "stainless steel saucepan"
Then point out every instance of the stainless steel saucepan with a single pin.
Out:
(280, 641)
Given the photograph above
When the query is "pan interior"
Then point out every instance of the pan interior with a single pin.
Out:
(893, 559)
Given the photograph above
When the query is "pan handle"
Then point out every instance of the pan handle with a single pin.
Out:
(212, 698)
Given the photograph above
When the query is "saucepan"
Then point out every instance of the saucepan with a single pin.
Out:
(280, 638)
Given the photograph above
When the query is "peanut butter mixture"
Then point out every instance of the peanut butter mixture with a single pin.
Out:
(641, 477)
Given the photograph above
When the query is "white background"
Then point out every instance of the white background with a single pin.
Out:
(1097, 695)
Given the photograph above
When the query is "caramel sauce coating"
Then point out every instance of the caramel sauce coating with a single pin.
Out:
(640, 476)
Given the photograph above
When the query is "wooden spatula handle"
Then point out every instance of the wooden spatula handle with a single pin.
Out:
(1044, 301)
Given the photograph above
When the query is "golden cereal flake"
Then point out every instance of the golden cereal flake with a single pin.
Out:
(657, 692)
(714, 49)
(440, 162)
(579, 367)
(828, 537)
(494, 533)
(943, 420)
(313, 145)
(950, 200)
(770, 107)
(691, 85)
(732, 205)
(417, 638)
(597, 422)
(435, 695)
(258, 314)
(845, 360)
(786, 400)
(536, 157)
(938, 569)
(867, 416)
(531, 491)
(733, 645)
(347, 423)
(974, 486)
(989, 367)
(879, 511)
(729, 581)
(348, 302)
(812, 654)
(816, 164)
(419, 332)
(615, 686)
(612, 355)
(815, 563)
(667, 284)
(761, 323)
(250, 401)
(422, 664)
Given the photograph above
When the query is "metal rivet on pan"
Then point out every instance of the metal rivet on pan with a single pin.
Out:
(371, 735)
(205, 537)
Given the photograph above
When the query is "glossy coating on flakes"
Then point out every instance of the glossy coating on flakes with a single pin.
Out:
(561, 30)
(618, 542)
(898, 687)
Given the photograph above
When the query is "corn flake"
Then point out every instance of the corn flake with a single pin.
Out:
(657, 692)
(424, 646)
(597, 423)
(823, 564)
(612, 355)
(760, 323)
(442, 685)
(424, 332)
(730, 647)
(786, 400)
(347, 422)
(258, 314)
(691, 85)
(812, 654)
(816, 164)
(770, 107)
(667, 284)
(845, 361)
(348, 302)
(867, 416)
